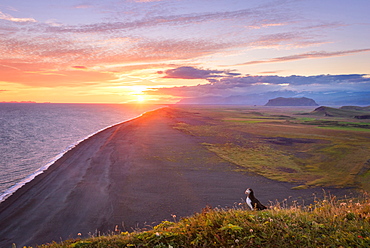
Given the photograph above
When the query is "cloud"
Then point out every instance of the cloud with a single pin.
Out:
(290, 39)
(269, 86)
(54, 51)
(184, 19)
(310, 55)
(82, 6)
(266, 25)
(271, 72)
(45, 75)
(146, 1)
(188, 72)
(325, 25)
(243, 17)
(99, 43)
(223, 79)
(8, 17)
(79, 67)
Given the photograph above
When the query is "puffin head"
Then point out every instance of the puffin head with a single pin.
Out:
(248, 191)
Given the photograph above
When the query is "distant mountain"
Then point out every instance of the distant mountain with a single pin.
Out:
(345, 111)
(282, 101)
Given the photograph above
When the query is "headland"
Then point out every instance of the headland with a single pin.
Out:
(132, 175)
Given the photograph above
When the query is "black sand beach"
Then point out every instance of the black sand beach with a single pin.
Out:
(135, 174)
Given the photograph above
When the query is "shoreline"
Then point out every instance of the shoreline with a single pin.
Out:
(132, 175)
(10, 191)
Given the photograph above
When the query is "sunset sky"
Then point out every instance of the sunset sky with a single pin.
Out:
(163, 51)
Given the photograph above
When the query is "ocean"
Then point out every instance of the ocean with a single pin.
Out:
(34, 135)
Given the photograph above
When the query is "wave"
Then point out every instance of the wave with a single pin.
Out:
(42, 169)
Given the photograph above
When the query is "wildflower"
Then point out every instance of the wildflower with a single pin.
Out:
(157, 234)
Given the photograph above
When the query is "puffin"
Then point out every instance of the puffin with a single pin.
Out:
(253, 202)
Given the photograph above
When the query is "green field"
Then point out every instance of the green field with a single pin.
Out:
(285, 144)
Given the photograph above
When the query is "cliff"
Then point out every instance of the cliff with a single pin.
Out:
(282, 101)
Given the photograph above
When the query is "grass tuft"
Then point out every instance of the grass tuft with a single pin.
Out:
(326, 223)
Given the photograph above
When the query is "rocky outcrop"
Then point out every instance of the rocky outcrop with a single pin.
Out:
(282, 101)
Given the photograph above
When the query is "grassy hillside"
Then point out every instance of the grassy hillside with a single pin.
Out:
(357, 108)
(327, 223)
(345, 112)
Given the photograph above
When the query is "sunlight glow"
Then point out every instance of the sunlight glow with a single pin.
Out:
(140, 98)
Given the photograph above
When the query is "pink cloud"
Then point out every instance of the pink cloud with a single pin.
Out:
(309, 55)
(146, 1)
(82, 6)
(8, 17)
(188, 72)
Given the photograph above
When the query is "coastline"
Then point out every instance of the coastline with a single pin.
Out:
(43, 168)
(134, 174)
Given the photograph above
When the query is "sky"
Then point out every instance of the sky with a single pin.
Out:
(166, 51)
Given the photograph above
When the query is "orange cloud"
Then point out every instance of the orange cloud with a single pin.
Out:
(33, 75)
(79, 67)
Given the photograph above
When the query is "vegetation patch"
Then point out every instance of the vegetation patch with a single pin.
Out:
(327, 223)
(263, 160)
(286, 147)
(244, 120)
(347, 128)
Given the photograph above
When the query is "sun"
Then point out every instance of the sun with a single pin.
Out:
(140, 98)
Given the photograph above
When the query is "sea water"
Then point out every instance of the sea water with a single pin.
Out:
(34, 135)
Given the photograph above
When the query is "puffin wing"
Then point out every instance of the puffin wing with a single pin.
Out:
(259, 205)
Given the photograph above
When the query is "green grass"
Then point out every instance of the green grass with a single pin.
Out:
(342, 112)
(263, 160)
(348, 128)
(286, 147)
(327, 223)
(246, 121)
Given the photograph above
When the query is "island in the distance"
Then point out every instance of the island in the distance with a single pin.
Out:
(282, 101)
